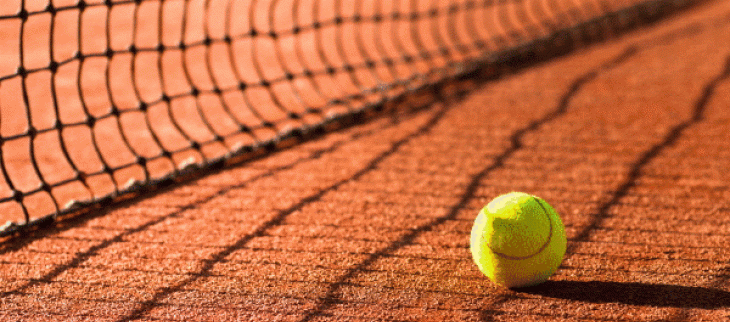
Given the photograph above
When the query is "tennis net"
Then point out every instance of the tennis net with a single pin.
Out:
(102, 99)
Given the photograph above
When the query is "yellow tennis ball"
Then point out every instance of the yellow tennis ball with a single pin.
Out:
(518, 240)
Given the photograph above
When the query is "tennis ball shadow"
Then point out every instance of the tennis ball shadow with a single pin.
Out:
(660, 295)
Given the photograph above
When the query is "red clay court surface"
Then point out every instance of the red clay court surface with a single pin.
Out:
(629, 139)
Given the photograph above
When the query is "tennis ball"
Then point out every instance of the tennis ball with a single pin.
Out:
(518, 240)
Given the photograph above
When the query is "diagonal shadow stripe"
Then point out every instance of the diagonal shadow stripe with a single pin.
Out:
(637, 167)
(282, 215)
(331, 296)
(723, 276)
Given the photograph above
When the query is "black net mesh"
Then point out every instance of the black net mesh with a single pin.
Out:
(103, 98)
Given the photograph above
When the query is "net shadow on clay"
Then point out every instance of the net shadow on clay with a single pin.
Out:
(104, 100)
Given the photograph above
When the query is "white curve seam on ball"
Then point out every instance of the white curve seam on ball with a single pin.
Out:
(545, 245)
